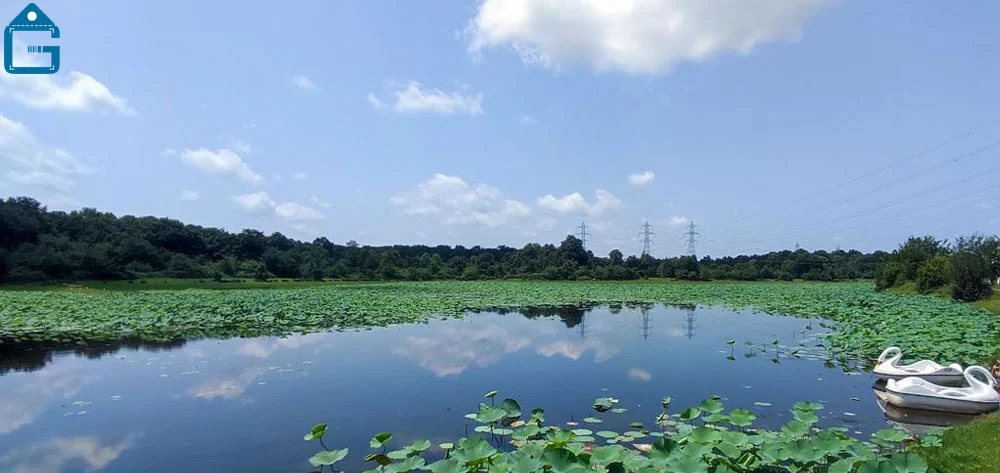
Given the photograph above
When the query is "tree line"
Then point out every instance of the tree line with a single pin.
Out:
(967, 269)
(41, 245)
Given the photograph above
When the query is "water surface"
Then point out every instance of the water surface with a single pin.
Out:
(243, 404)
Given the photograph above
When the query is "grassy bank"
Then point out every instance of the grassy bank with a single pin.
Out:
(153, 284)
(923, 326)
(970, 448)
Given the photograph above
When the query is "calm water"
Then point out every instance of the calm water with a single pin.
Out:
(243, 404)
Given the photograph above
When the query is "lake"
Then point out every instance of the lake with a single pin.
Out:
(207, 406)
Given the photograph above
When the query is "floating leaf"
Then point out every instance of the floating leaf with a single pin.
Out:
(329, 457)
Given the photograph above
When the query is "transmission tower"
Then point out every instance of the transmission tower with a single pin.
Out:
(691, 234)
(647, 241)
(583, 234)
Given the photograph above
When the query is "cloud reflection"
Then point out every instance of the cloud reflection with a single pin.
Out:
(639, 374)
(452, 350)
(24, 396)
(226, 387)
(54, 455)
(265, 347)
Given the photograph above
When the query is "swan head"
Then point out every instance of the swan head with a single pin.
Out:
(974, 381)
(892, 352)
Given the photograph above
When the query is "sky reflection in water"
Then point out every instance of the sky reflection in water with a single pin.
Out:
(243, 404)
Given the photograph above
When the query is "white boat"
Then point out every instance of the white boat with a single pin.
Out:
(918, 393)
(888, 367)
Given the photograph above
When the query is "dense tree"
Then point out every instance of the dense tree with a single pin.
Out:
(39, 245)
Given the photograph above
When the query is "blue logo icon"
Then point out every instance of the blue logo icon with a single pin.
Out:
(30, 19)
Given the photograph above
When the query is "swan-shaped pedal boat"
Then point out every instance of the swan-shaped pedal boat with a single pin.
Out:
(888, 367)
(918, 393)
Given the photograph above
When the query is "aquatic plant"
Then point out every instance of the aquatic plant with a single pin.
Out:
(864, 321)
(687, 442)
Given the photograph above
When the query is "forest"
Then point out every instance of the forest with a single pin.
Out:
(41, 245)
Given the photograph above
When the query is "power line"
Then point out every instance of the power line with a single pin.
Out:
(868, 191)
(647, 241)
(905, 159)
(690, 234)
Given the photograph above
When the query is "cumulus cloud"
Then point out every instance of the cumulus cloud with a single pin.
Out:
(303, 83)
(73, 92)
(648, 36)
(641, 179)
(261, 202)
(575, 203)
(220, 162)
(190, 196)
(31, 164)
(414, 98)
(678, 221)
(455, 202)
(293, 211)
(300, 176)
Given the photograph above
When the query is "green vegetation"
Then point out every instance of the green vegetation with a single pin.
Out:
(41, 246)
(966, 270)
(700, 439)
(969, 448)
(867, 322)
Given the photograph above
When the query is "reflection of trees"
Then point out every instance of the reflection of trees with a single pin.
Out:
(24, 357)
(571, 316)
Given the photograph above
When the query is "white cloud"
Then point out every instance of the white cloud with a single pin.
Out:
(527, 120)
(293, 211)
(575, 203)
(30, 163)
(190, 196)
(320, 202)
(220, 162)
(641, 179)
(455, 202)
(75, 91)
(646, 36)
(261, 202)
(254, 201)
(303, 83)
(300, 176)
(678, 221)
(414, 98)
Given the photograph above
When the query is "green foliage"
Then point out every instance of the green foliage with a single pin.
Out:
(687, 448)
(38, 245)
(933, 273)
(973, 267)
(925, 327)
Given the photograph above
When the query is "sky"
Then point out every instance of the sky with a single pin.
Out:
(768, 124)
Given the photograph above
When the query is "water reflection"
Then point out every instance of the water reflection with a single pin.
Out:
(242, 404)
(23, 397)
(53, 456)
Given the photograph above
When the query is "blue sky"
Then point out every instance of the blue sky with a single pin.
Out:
(767, 123)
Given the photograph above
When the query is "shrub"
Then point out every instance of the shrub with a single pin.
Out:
(889, 275)
(970, 271)
(933, 273)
